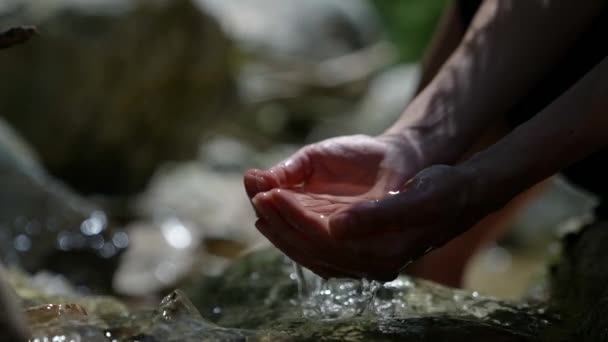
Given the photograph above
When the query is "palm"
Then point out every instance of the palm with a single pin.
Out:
(321, 180)
(345, 166)
(297, 222)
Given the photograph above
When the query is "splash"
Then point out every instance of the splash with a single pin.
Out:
(334, 298)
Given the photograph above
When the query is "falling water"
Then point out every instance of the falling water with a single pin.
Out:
(334, 298)
(301, 280)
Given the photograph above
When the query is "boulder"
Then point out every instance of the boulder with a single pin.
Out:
(105, 97)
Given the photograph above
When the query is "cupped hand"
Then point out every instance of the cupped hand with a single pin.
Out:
(336, 207)
(357, 165)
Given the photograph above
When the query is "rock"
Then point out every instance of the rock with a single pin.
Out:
(559, 209)
(297, 30)
(44, 225)
(258, 298)
(388, 94)
(73, 317)
(260, 292)
(105, 102)
(13, 326)
(215, 201)
(15, 36)
(579, 284)
(160, 254)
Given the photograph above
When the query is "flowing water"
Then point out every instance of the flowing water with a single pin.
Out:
(264, 298)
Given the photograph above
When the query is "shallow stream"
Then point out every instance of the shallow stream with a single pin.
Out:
(258, 299)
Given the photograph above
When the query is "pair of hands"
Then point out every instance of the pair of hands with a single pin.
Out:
(360, 206)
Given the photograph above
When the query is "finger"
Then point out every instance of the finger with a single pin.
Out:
(255, 183)
(319, 268)
(290, 173)
(377, 255)
(295, 170)
(305, 221)
(294, 240)
(407, 209)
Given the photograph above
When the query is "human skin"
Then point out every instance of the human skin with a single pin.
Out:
(333, 206)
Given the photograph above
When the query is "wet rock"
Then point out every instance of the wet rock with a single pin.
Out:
(44, 225)
(73, 317)
(13, 325)
(258, 298)
(579, 284)
(15, 36)
(213, 200)
(104, 102)
(260, 292)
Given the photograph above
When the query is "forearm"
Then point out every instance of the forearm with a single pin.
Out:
(572, 127)
(509, 47)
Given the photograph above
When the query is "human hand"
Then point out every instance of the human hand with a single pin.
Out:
(296, 199)
(357, 165)
(369, 238)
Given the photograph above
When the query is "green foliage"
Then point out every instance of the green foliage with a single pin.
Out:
(410, 24)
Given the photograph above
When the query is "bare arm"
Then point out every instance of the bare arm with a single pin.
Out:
(572, 127)
(442, 201)
(509, 47)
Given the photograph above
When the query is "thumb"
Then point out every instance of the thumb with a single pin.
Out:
(287, 174)
(291, 172)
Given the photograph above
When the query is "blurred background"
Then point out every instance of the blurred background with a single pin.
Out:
(125, 127)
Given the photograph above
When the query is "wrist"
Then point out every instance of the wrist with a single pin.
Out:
(492, 184)
(430, 146)
(432, 125)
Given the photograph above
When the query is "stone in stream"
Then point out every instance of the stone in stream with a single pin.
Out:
(579, 285)
(257, 300)
(92, 318)
(13, 326)
(259, 293)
